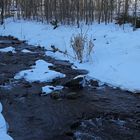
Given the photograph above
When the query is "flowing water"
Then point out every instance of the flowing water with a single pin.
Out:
(91, 113)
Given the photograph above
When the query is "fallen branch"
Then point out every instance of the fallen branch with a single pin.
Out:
(54, 50)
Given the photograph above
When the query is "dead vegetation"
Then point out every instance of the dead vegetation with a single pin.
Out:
(82, 46)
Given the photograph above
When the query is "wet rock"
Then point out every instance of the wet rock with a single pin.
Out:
(16, 42)
(15, 62)
(75, 125)
(10, 53)
(76, 83)
(27, 85)
(53, 68)
(21, 99)
(69, 133)
(73, 95)
(9, 42)
(81, 72)
(55, 95)
(10, 131)
(94, 83)
(63, 63)
(24, 95)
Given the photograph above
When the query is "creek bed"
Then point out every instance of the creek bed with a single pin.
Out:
(93, 113)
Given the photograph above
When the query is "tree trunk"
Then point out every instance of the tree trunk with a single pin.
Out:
(135, 14)
(2, 11)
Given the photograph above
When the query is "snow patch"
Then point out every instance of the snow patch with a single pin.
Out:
(8, 49)
(26, 51)
(50, 89)
(39, 72)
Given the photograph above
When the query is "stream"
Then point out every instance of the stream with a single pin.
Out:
(90, 113)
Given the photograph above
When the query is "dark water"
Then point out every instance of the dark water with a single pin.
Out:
(91, 113)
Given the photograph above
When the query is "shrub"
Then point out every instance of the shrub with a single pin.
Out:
(82, 46)
(54, 23)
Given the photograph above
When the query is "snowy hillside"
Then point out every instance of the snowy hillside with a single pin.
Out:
(116, 55)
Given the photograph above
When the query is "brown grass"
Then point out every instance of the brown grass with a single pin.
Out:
(80, 45)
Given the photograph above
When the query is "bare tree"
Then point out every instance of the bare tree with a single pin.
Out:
(2, 11)
(71, 11)
(135, 13)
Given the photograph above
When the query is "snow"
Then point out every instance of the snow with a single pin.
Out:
(115, 60)
(50, 89)
(0, 107)
(3, 129)
(39, 72)
(4, 136)
(8, 49)
(26, 51)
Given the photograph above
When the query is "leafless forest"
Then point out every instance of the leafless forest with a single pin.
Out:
(72, 11)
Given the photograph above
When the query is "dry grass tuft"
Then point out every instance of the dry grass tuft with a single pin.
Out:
(81, 46)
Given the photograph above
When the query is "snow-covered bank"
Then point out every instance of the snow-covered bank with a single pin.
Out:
(116, 55)
(3, 129)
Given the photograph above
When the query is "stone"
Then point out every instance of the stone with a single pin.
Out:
(73, 95)
(27, 85)
(55, 95)
(69, 133)
(75, 83)
(94, 83)
(75, 125)
(10, 53)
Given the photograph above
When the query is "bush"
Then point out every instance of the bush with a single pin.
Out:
(54, 23)
(82, 46)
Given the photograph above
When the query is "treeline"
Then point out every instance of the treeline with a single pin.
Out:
(72, 11)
